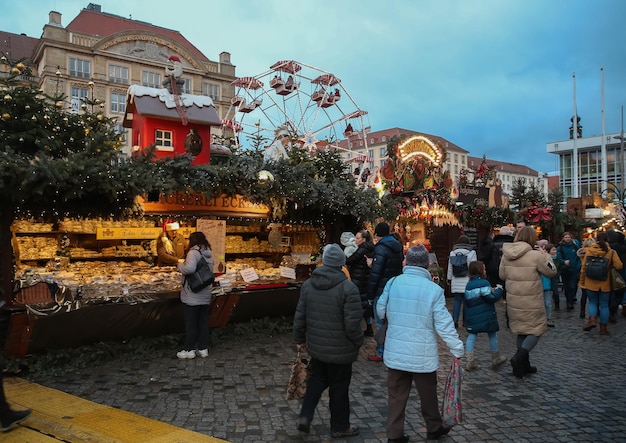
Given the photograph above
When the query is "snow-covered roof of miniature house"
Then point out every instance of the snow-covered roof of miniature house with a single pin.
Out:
(159, 102)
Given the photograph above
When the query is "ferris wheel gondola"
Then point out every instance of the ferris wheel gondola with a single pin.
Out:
(311, 103)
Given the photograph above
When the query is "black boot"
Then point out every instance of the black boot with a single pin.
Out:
(519, 362)
(530, 369)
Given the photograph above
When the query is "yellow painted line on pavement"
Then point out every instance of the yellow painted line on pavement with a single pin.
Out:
(58, 416)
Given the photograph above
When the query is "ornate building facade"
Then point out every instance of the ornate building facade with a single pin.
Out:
(99, 55)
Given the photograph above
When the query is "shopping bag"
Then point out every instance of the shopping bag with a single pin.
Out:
(296, 387)
(617, 281)
(451, 412)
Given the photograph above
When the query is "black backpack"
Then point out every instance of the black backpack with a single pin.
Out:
(597, 267)
(459, 264)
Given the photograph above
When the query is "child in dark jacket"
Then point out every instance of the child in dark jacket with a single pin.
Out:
(480, 314)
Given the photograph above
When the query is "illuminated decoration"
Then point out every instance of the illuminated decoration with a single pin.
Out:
(420, 146)
(413, 172)
(480, 214)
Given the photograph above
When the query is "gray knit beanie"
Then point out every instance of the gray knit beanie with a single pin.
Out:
(333, 256)
(418, 256)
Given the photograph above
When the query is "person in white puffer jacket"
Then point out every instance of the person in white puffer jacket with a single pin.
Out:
(457, 283)
(416, 312)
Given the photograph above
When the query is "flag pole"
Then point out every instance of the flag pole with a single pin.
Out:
(575, 187)
(604, 168)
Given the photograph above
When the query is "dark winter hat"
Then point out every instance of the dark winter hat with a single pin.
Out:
(417, 256)
(333, 256)
(382, 230)
(464, 239)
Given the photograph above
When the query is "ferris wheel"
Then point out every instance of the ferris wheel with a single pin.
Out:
(312, 105)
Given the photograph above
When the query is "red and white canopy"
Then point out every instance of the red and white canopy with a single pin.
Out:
(248, 83)
(286, 66)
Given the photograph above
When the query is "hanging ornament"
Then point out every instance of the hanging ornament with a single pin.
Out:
(8, 98)
(409, 180)
(6, 116)
(59, 104)
(27, 107)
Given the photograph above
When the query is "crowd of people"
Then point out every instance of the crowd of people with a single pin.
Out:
(376, 280)
(373, 281)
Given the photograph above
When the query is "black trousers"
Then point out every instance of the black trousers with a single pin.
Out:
(336, 377)
(196, 327)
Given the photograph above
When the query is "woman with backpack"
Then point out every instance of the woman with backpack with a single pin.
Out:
(595, 277)
(461, 256)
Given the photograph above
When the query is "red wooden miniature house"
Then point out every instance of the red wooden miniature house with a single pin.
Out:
(175, 124)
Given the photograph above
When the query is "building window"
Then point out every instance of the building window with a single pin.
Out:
(456, 158)
(384, 138)
(163, 140)
(212, 90)
(80, 68)
(118, 103)
(566, 166)
(118, 74)
(76, 99)
(187, 86)
(151, 79)
(383, 152)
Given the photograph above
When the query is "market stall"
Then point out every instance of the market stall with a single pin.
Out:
(99, 276)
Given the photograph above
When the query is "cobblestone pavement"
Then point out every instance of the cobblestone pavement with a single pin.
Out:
(238, 393)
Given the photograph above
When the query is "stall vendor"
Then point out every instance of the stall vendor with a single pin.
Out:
(170, 246)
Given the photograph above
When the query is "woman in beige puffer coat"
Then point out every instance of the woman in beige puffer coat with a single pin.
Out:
(520, 269)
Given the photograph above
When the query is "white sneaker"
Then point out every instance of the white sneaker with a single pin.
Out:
(186, 354)
(204, 353)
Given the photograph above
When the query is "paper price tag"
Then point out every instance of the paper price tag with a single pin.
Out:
(249, 274)
(287, 272)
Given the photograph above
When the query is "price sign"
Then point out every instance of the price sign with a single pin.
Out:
(249, 274)
(287, 272)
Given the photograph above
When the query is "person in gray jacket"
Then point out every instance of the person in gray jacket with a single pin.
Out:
(197, 304)
(416, 313)
(327, 323)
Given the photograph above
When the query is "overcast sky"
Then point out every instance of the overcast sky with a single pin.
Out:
(494, 77)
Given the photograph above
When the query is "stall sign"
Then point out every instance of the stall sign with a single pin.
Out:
(472, 194)
(127, 233)
(215, 232)
(180, 201)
